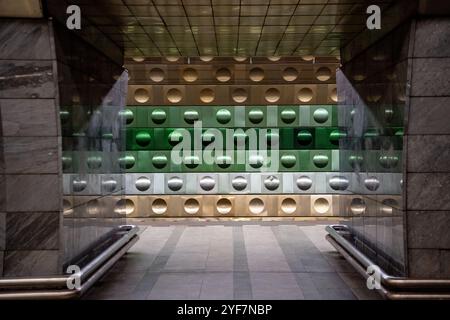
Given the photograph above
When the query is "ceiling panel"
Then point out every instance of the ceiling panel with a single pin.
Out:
(229, 27)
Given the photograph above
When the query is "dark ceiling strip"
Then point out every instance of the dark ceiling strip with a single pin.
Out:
(236, 49)
(310, 27)
(167, 29)
(214, 24)
(287, 26)
(262, 27)
(148, 35)
(190, 27)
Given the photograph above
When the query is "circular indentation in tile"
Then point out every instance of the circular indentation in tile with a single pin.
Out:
(255, 116)
(207, 183)
(321, 205)
(127, 162)
(93, 208)
(174, 95)
(304, 137)
(304, 183)
(333, 95)
(159, 206)
(172, 58)
(320, 160)
(141, 95)
(357, 206)
(271, 183)
(256, 206)
(64, 116)
(190, 75)
(191, 206)
(223, 116)
(256, 74)
(274, 58)
(109, 185)
(372, 183)
(288, 116)
(143, 184)
(76, 99)
(290, 74)
(288, 160)
(240, 58)
(156, 75)
(223, 74)
(79, 185)
(206, 58)
(305, 95)
(94, 162)
(323, 74)
(190, 116)
(339, 183)
(127, 115)
(256, 161)
(355, 160)
(66, 162)
(239, 95)
(191, 162)
(207, 95)
(175, 183)
(138, 59)
(320, 115)
(159, 161)
(272, 95)
(388, 114)
(239, 183)
(158, 116)
(308, 58)
(388, 162)
(224, 206)
(143, 138)
(359, 77)
(336, 136)
(288, 206)
(223, 161)
(388, 206)
(175, 137)
(124, 207)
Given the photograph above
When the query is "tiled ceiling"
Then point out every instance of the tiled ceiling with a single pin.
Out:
(229, 27)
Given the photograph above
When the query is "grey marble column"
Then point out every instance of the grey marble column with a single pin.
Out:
(30, 195)
(428, 148)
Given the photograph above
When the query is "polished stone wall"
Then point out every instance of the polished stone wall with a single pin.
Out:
(59, 95)
(427, 138)
(30, 167)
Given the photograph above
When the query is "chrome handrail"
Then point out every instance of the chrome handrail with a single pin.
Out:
(391, 287)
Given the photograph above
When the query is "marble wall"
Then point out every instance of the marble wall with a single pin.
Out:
(60, 96)
(30, 195)
(427, 138)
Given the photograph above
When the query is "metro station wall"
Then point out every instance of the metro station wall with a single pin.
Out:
(294, 95)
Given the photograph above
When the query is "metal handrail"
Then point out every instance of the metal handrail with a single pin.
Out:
(56, 287)
(391, 287)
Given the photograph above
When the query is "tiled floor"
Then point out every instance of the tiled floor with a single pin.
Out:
(232, 260)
